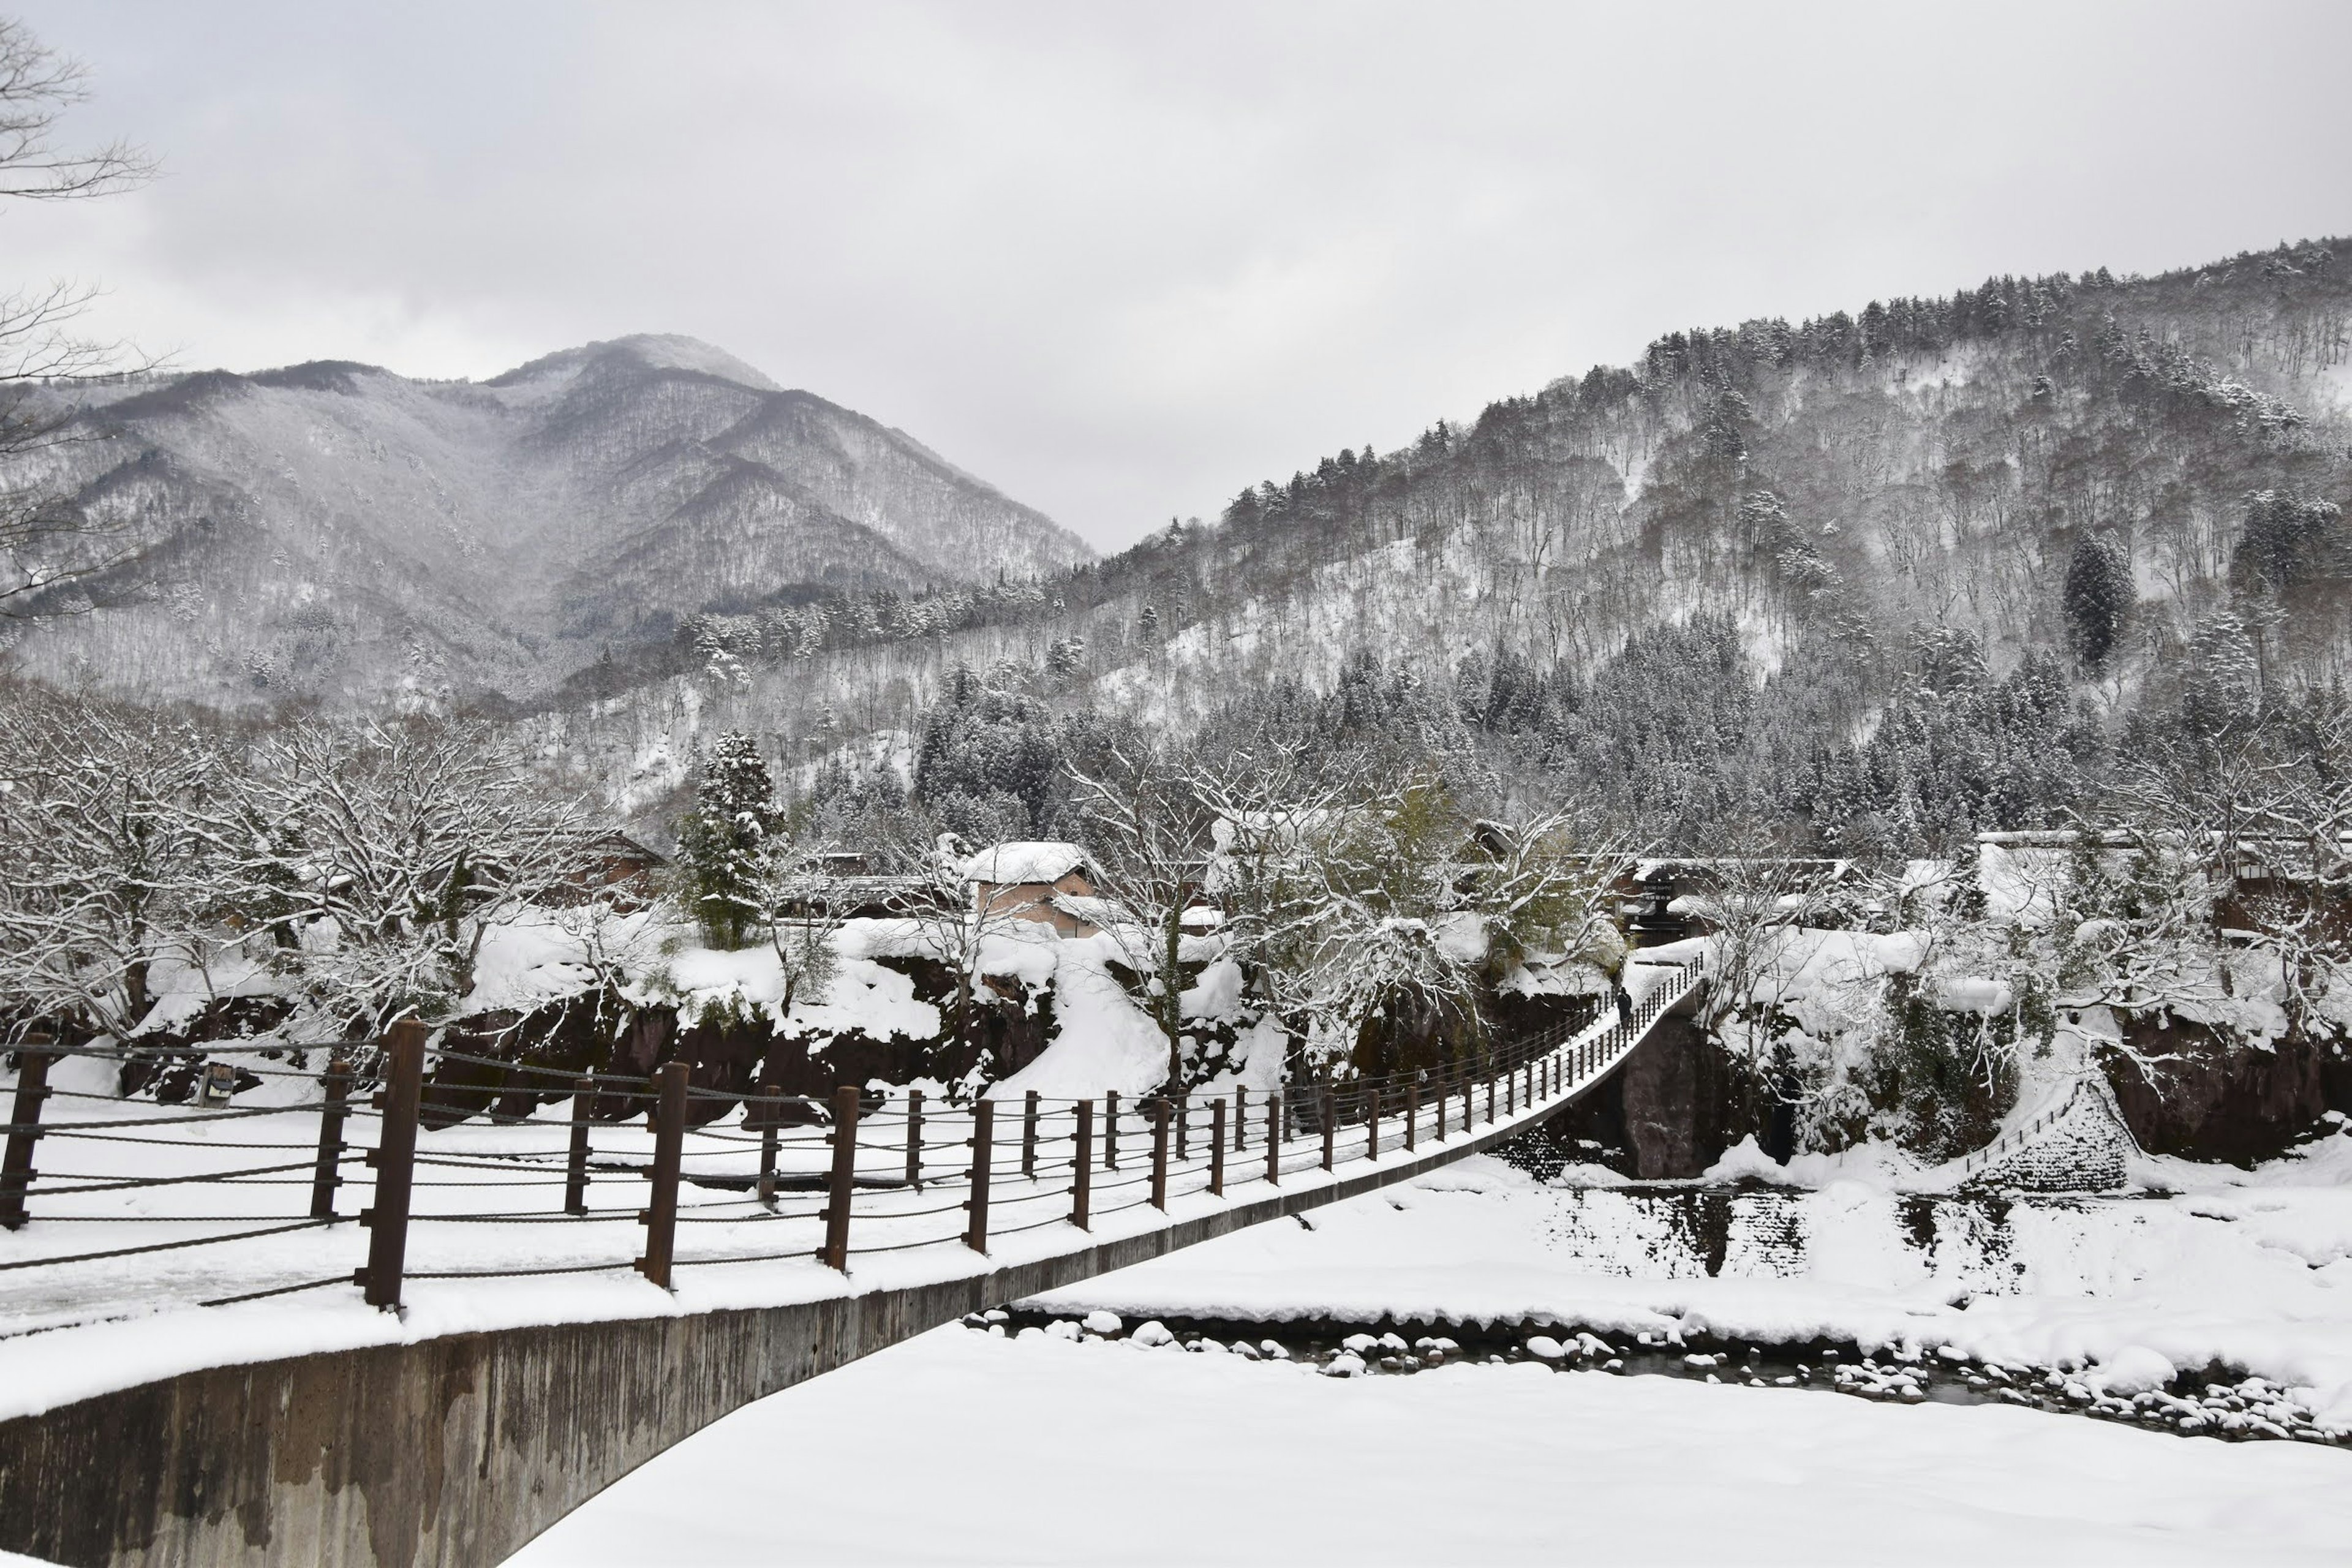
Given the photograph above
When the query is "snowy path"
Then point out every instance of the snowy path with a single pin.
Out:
(1174, 1458)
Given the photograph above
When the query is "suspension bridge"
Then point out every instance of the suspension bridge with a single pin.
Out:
(191, 1371)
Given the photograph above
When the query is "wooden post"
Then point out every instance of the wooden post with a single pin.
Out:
(1029, 1133)
(915, 1139)
(1330, 1123)
(1217, 1147)
(1372, 1121)
(983, 1137)
(1184, 1122)
(669, 1147)
(1490, 1092)
(575, 1166)
(1159, 1155)
(1510, 1091)
(1110, 1130)
(1082, 1169)
(1411, 1111)
(1241, 1118)
(17, 1170)
(394, 1159)
(1274, 1137)
(1468, 1111)
(771, 1119)
(845, 1178)
(328, 1173)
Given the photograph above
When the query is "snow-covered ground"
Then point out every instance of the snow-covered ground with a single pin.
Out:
(958, 1447)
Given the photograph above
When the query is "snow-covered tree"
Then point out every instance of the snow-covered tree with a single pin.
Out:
(723, 854)
(392, 849)
(1149, 820)
(105, 875)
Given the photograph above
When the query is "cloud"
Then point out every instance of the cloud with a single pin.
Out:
(1122, 261)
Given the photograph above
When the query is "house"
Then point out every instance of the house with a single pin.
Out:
(614, 866)
(1053, 884)
(1667, 900)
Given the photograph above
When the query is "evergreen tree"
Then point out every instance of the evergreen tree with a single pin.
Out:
(2098, 597)
(721, 843)
(2287, 540)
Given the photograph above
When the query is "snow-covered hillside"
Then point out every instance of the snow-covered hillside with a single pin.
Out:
(336, 530)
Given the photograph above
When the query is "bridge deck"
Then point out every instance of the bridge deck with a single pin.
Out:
(490, 1246)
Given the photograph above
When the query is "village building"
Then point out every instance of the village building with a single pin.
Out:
(1052, 883)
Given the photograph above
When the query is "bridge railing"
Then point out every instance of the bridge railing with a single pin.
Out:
(210, 1204)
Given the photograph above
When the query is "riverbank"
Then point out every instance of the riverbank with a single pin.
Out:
(1044, 1450)
(2221, 1275)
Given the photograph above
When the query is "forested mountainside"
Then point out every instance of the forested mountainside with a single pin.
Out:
(1892, 575)
(335, 532)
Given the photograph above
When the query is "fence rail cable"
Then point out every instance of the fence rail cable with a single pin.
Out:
(275, 1291)
(514, 1273)
(225, 1178)
(570, 1075)
(502, 1217)
(73, 1129)
(188, 1119)
(165, 1246)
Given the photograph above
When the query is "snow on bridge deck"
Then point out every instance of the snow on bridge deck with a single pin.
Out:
(163, 1239)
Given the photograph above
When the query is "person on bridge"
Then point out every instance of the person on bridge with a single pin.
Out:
(1624, 1006)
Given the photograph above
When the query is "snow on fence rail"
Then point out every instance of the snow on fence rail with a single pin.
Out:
(211, 1205)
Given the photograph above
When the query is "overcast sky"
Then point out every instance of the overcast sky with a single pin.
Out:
(1123, 259)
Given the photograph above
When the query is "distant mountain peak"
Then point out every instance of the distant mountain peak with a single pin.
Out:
(646, 351)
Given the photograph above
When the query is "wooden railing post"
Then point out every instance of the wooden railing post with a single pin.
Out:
(394, 1159)
(1217, 1147)
(1160, 1155)
(771, 1114)
(1330, 1123)
(915, 1139)
(575, 1164)
(1029, 1133)
(1490, 1091)
(1274, 1137)
(1183, 1125)
(1082, 1169)
(1372, 1121)
(1510, 1091)
(1241, 1119)
(983, 1137)
(327, 1175)
(670, 1148)
(1110, 1130)
(17, 1173)
(843, 1184)
(1411, 1111)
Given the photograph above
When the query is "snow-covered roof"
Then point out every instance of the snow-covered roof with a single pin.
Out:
(1038, 861)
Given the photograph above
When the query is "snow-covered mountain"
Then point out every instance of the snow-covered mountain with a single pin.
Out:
(1703, 573)
(336, 531)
